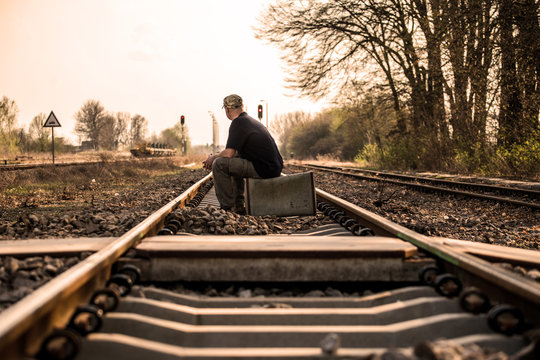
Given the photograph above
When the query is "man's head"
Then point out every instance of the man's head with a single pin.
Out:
(232, 102)
(233, 106)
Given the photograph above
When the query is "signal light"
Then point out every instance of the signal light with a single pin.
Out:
(182, 119)
(260, 112)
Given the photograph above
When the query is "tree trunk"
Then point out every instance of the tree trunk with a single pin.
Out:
(510, 107)
(528, 64)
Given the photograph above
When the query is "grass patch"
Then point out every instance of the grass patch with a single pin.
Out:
(81, 176)
(78, 186)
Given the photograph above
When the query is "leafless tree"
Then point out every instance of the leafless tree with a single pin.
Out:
(8, 121)
(114, 131)
(107, 137)
(331, 43)
(314, 138)
(90, 120)
(447, 64)
(121, 134)
(138, 129)
(520, 71)
(284, 125)
(38, 134)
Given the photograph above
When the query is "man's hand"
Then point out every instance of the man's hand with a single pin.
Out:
(208, 162)
(227, 153)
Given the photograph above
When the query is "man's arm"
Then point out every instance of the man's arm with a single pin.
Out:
(227, 153)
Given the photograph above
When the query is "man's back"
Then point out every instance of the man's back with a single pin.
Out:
(254, 143)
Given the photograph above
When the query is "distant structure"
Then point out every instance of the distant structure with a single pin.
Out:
(86, 145)
(215, 132)
(148, 150)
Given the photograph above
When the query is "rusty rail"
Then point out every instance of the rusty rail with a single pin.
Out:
(437, 189)
(526, 289)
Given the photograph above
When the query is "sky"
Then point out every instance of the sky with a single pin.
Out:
(157, 58)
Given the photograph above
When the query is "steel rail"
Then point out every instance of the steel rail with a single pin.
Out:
(24, 325)
(460, 184)
(514, 283)
(14, 167)
(431, 188)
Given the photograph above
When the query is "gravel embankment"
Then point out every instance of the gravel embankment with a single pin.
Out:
(101, 214)
(112, 213)
(211, 220)
(107, 213)
(19, 277)
(439, 215)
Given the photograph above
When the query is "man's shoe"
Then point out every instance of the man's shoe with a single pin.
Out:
(240, 210)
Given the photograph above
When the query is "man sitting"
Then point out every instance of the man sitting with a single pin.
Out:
(251, 152)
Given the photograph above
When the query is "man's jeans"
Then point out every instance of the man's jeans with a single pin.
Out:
(229, 174)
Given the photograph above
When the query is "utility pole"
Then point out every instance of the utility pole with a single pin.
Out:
(215, 132)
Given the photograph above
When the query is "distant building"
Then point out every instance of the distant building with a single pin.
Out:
(86, 145)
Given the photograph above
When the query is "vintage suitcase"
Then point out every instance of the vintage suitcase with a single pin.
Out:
(287, 195)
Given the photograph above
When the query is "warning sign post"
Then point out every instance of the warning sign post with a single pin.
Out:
(52, 122)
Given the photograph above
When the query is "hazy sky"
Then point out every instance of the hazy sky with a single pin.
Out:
(157, 58)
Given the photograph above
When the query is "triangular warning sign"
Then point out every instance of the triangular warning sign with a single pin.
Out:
(52, 121)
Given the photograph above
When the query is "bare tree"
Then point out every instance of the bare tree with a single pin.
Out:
(468, 39)
(442, 61)
(284, 126)
(138, 129)
(313, 138)
(90, 120)
(520, 71)
(8, 120)
(331, 43)
(114, 131)
(121, 134)
(528, 61)
(107, 136)
(38, 134)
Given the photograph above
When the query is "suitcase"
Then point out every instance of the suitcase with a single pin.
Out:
(287, 195)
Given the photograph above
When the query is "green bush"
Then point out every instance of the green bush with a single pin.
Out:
(522, 159)
(401, 154)
(486, 159)
(369, 156)
(480, 159)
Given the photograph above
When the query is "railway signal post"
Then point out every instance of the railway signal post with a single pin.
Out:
(261, 112)
(182, 122)
(52, 122)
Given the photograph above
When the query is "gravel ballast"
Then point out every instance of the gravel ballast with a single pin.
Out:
(431, 214)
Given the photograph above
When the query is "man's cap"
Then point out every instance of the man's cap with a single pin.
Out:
(232, 101)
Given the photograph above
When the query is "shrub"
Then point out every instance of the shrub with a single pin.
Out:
(522, 159)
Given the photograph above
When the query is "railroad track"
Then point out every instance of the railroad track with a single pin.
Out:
(512, 195)
(422, 289)
(21, 167)
(28, 166)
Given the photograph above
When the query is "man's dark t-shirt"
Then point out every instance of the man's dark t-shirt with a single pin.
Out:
(254, 143)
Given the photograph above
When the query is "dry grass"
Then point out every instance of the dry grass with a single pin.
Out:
(84, 156)
(46, 158)
(68, 188)
(109, 170)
